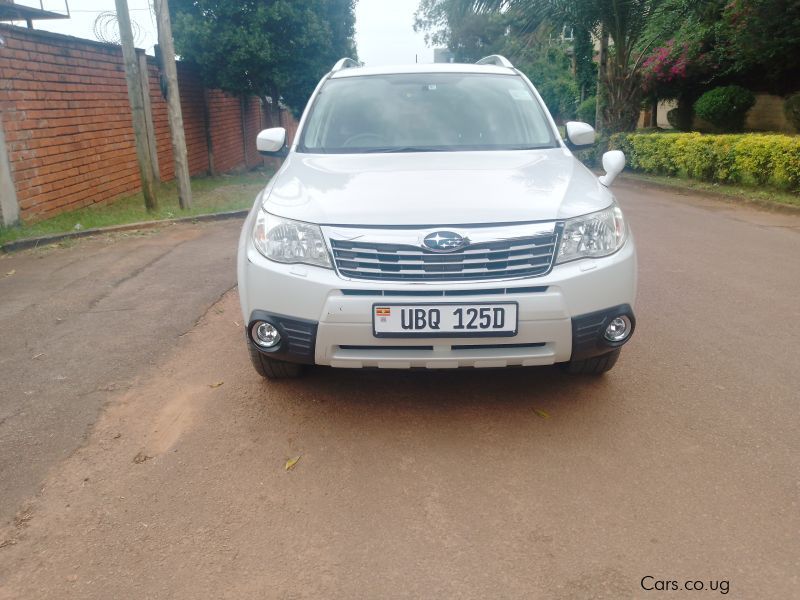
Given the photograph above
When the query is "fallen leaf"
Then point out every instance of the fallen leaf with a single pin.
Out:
(290, 464)
(11, 272)
(541, 413)
(215, 385)
(141, 457)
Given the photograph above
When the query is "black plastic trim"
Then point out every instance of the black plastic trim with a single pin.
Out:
(298, 337)
(588, 329)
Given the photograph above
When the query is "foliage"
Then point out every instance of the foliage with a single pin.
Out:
(680, 117)
(757, 43)
(549, 69)
(592, 157)
(624, 23)
(752, 43)
(468, 35)
(669, 69)
(725, 107)
(791, 108)
(587, 110)
(585, 69)
(538, 53)
(754, 159)
(677, 45)
(264, 47)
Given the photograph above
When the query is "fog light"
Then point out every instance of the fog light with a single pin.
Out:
(618, 329)
(266, 334)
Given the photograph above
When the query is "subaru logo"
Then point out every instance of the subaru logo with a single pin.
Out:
(444, 241)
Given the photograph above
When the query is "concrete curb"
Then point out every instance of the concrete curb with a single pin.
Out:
(24, 244)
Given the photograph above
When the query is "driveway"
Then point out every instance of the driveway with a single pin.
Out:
(678, 466)
(79, 324)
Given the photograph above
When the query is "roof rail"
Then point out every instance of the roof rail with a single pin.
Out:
(345, 63)
(497, 60)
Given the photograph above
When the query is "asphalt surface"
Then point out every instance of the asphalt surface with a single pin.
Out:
(79, 323)
(679, 465)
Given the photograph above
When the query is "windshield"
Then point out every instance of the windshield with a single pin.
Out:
(425, 112)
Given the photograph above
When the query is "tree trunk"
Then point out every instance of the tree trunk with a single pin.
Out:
(624, 98)
(602, 82)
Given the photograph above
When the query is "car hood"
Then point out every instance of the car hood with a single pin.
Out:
(454, 188)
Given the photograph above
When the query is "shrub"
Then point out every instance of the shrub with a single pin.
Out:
(756, 159)
(587, 110)
(680, 117)
(791, 108)
(725, 107)
(593, 157)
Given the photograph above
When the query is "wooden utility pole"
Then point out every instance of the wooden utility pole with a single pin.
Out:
(148, 116)
(135, 97)
(174, 104)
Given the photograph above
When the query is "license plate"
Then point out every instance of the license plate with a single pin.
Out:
(445, 320)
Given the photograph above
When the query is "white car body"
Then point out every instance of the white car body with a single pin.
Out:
(326, 315)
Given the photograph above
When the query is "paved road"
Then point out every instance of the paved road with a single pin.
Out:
(79, 323)
(679, 465)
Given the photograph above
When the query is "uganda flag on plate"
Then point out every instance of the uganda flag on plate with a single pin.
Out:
(382, 311)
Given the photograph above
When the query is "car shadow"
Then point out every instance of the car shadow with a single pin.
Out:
(542, 388)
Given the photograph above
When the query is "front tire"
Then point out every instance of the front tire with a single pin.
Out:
(595, 365)
(269, 368)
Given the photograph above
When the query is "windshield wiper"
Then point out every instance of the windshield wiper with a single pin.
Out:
(389, 150)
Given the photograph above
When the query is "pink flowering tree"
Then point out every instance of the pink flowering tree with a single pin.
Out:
(676, 71)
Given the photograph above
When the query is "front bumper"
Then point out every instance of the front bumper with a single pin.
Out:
(560, 314)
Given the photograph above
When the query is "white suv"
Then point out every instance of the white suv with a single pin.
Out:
(431, 216)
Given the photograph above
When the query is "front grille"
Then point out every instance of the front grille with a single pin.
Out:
(518, 257)
(440, 293)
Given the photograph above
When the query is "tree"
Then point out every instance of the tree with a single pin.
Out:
(468, 35)
(539, 52)
(623, 24)
(277, 48)
(757, 43)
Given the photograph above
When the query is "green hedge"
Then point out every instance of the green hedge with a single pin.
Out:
(757, 159)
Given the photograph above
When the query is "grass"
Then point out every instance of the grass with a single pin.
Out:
(209, 195)
(766, 197)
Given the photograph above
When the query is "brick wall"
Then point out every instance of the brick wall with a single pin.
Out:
(67, 122)
(253, 123)
(194, 128)
(224, 113)
(65, 109)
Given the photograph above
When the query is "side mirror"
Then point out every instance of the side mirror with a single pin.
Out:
(272, 142)
(613, 163)
(579, 135)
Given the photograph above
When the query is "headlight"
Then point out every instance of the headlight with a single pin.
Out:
(287, 241)
(593, 235)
